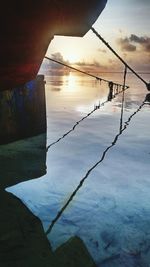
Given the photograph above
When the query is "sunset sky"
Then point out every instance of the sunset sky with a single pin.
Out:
(125, 25)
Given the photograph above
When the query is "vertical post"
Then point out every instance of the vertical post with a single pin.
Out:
(123, 94)
(110, 95)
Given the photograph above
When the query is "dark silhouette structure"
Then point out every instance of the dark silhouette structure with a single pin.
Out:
(27, 28)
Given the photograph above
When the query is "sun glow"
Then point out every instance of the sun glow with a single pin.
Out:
(72, 57)
(72, 49)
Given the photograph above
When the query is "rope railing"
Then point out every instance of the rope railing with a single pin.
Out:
(120, 58)
(113, 92)
(81, 71)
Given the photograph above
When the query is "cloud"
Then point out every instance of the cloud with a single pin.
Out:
(48, 64)
(144, 41)
(130, 44)
(102, 50)
(88, 64)
(126, 45)
(93, 66)
(53, 67)
(57, 56)
(136, 39)
(83, 64)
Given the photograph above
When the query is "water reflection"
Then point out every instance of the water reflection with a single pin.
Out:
(121, 130)
(96, 107)
(110, 213)
(71, 81)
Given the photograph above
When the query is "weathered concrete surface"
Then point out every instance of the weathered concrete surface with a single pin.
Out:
(22, 239)
(22, 160)
(23, 242)
(73, 254)
(23, 111)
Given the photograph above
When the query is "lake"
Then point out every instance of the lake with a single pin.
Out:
(110, 209)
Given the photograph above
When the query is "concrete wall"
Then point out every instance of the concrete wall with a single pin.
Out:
(23, 111)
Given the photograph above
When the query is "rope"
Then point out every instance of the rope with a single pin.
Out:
(83, 72)
(126, 124)
(83, 118)
(116, 54)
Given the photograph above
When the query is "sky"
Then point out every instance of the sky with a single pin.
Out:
(124, 24)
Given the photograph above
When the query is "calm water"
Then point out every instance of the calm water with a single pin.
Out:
(110, 210)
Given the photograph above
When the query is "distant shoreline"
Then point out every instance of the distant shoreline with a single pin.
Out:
(118, 72)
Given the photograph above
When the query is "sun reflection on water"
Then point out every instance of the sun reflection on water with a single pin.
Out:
(71, 81)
